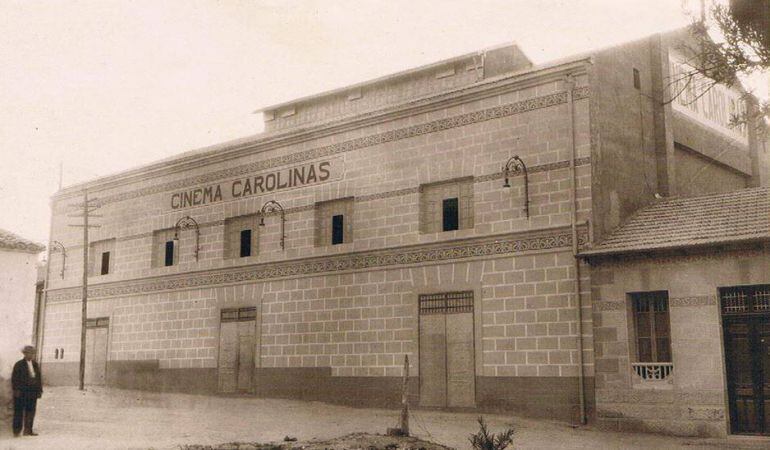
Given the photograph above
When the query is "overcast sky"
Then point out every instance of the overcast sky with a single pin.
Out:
(104, 86)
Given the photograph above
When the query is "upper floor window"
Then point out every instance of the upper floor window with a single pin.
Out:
(241, 236)
(101, 257)
(334, 222)
(651, 326)
(446, 205)
(164, 248)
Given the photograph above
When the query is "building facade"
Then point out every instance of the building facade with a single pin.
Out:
(434, 213)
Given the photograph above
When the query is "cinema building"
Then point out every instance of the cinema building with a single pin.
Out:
(434, 213)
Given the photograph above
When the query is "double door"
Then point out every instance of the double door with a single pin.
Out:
(447, 365)
(237, 350)
(97, 336)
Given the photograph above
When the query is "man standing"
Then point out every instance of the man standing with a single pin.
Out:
(27, 382)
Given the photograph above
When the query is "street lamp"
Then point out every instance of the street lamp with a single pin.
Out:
(183, 224)
(63, 256)
(269, 207)
(514, 166)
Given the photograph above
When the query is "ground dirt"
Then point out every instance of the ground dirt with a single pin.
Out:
(101, 418)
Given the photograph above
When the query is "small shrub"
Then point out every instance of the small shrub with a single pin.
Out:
(484, 440)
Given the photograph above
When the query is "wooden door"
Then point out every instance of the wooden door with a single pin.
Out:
(461, 368)
(447, 364)
(228, 356)
(245, 355)
(746, 313)
(433, 360)
(237, 349)
(97, 335)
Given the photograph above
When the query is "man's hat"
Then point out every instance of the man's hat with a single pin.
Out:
(28, 348)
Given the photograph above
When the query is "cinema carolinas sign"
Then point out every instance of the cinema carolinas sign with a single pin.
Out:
(714, 105)
(267, 182)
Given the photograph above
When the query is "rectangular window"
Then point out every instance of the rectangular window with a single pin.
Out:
(337, 229)
(637, 79)
(446, 206)
(105, 263)
(651, 324)
(169, 254)
(164, 252)
(241, 236)
(450, 213)
(334, 222)
(245, 243)
(100, 260)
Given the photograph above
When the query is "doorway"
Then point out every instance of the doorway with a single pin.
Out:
(236, 350)
(746, 323)
(97, 336)
(447, 363)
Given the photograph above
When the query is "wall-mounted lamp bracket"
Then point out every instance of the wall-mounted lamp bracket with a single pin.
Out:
(185, 223)
(63, 255)
(272, 206)
(515, 166)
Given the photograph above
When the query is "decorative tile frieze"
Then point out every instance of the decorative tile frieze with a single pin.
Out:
(703, 300)
(460, 120)
(610, 306)
(475, 248)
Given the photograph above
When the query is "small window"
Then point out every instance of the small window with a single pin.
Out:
(338, 231)
(241, 236)
(446, 206)
(61, 353)
(169, 254)
(651, 324)
(100, 261)
(637, 79)
(245, 243)
(56, 354)
(450, 213)
(105, 263)
(334, 222)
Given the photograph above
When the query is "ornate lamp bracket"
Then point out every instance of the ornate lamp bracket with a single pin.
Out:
(515, 166)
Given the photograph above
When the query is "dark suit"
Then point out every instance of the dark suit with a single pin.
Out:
(26, 391)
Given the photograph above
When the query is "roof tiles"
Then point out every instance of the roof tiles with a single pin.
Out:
(681, 222)
(11, 241)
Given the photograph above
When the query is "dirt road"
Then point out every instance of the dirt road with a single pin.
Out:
(109, 418)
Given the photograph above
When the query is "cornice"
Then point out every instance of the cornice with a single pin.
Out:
(354, 144)
(264, 142)
(490, 246)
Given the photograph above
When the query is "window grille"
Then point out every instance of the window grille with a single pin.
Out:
(446, 303)
(98, 322)
(239, 314)
(745, 299)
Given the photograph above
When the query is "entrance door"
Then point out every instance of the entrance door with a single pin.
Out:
(236, 350)
(447, 367)
(97, 332)
(746, 319)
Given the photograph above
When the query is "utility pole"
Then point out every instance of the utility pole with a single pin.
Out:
(88, 207)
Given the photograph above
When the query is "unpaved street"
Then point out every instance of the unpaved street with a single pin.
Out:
(108, 418)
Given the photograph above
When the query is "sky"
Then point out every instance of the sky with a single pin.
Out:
(104, 86)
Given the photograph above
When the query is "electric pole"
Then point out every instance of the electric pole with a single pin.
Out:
(88, 207)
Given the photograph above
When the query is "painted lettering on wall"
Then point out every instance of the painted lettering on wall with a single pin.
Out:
(263, 183)
(695, 96)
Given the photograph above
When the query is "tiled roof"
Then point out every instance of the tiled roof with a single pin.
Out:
(11, 241)
(681, 222)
